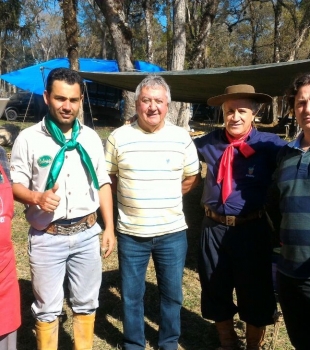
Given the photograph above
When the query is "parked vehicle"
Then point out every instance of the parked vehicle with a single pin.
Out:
(23, 104)
(100, 102)
(19, 104)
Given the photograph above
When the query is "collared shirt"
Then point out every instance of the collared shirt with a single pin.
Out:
(297, 142)
(32, 155)
(150, 168)
(251, 176)
(292, 179)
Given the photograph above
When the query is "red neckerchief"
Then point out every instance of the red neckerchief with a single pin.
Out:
(225, 169)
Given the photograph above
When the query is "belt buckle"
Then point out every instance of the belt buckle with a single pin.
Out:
(91, 220)
(230, 220)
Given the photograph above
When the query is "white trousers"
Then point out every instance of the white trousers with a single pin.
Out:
(51, 257)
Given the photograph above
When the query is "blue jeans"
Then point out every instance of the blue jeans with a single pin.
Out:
(168, 252)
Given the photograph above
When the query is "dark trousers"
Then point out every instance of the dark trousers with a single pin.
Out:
(294, 298)
(237, 258)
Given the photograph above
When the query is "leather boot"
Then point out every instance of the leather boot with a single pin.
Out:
(47, 335)
(254, 337)
(227, 335)
(83, 331)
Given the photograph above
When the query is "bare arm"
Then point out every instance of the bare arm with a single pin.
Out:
(113, 178)
(106, 209)
(190, 182)
(47, 201)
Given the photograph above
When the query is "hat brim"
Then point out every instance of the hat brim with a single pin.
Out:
(220, 99)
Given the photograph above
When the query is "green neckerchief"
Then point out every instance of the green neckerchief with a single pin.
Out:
(69, 145)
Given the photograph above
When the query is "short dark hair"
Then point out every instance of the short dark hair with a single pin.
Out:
(64, 74)
(300, 81)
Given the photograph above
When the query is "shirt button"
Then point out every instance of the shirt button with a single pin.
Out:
(69, 210)
(68, 175)
(69, 193)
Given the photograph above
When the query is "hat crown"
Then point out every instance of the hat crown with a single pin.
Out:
(240, 91)
(240, 88)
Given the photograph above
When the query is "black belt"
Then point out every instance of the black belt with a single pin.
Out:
(230, 220)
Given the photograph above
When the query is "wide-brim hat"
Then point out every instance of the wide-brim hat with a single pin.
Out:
(238, 92)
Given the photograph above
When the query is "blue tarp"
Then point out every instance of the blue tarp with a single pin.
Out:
(33, 78)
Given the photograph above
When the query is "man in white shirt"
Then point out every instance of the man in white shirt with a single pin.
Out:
(58, 172)
(152, 163)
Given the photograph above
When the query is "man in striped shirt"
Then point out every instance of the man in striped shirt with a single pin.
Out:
(152, 163)
(292, 184)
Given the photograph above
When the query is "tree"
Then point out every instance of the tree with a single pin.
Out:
(201, 16)
(10, 14)
(47, 39)
(113, 11)
(70, 25)
(299, 11)
(95, 40)
(179, 113)
(147, 7)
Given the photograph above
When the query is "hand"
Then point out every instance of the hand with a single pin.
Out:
(49, 200)
(108, 242)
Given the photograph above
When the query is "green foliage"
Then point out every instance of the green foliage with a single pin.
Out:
(10, 14)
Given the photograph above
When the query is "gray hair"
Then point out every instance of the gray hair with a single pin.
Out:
(153, 81)
(255, 106)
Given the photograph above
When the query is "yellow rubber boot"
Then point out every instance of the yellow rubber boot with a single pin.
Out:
(47, 335)
(83, 331)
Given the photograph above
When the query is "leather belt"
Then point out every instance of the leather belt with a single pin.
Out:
(230, 220)
(55, 228)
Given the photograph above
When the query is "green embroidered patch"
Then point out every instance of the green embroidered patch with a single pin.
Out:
(44, 161)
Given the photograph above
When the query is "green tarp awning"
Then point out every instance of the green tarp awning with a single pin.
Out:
(198, 85)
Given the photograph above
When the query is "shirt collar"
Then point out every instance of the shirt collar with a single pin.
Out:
(46, 131)
(297, 142)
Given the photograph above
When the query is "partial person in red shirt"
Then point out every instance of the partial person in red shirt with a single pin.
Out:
(10, 317)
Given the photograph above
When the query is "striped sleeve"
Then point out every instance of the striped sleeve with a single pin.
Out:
(111, 155)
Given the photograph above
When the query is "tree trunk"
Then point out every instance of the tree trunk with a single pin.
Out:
(275, 110)
(200, 29)
(298, 42)
(69, 8)
(301, 25)
(277, 8)
(179, 111)
(148, 25)
(113, 11)
(169, 34)
(254, 33)
(179, 36)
